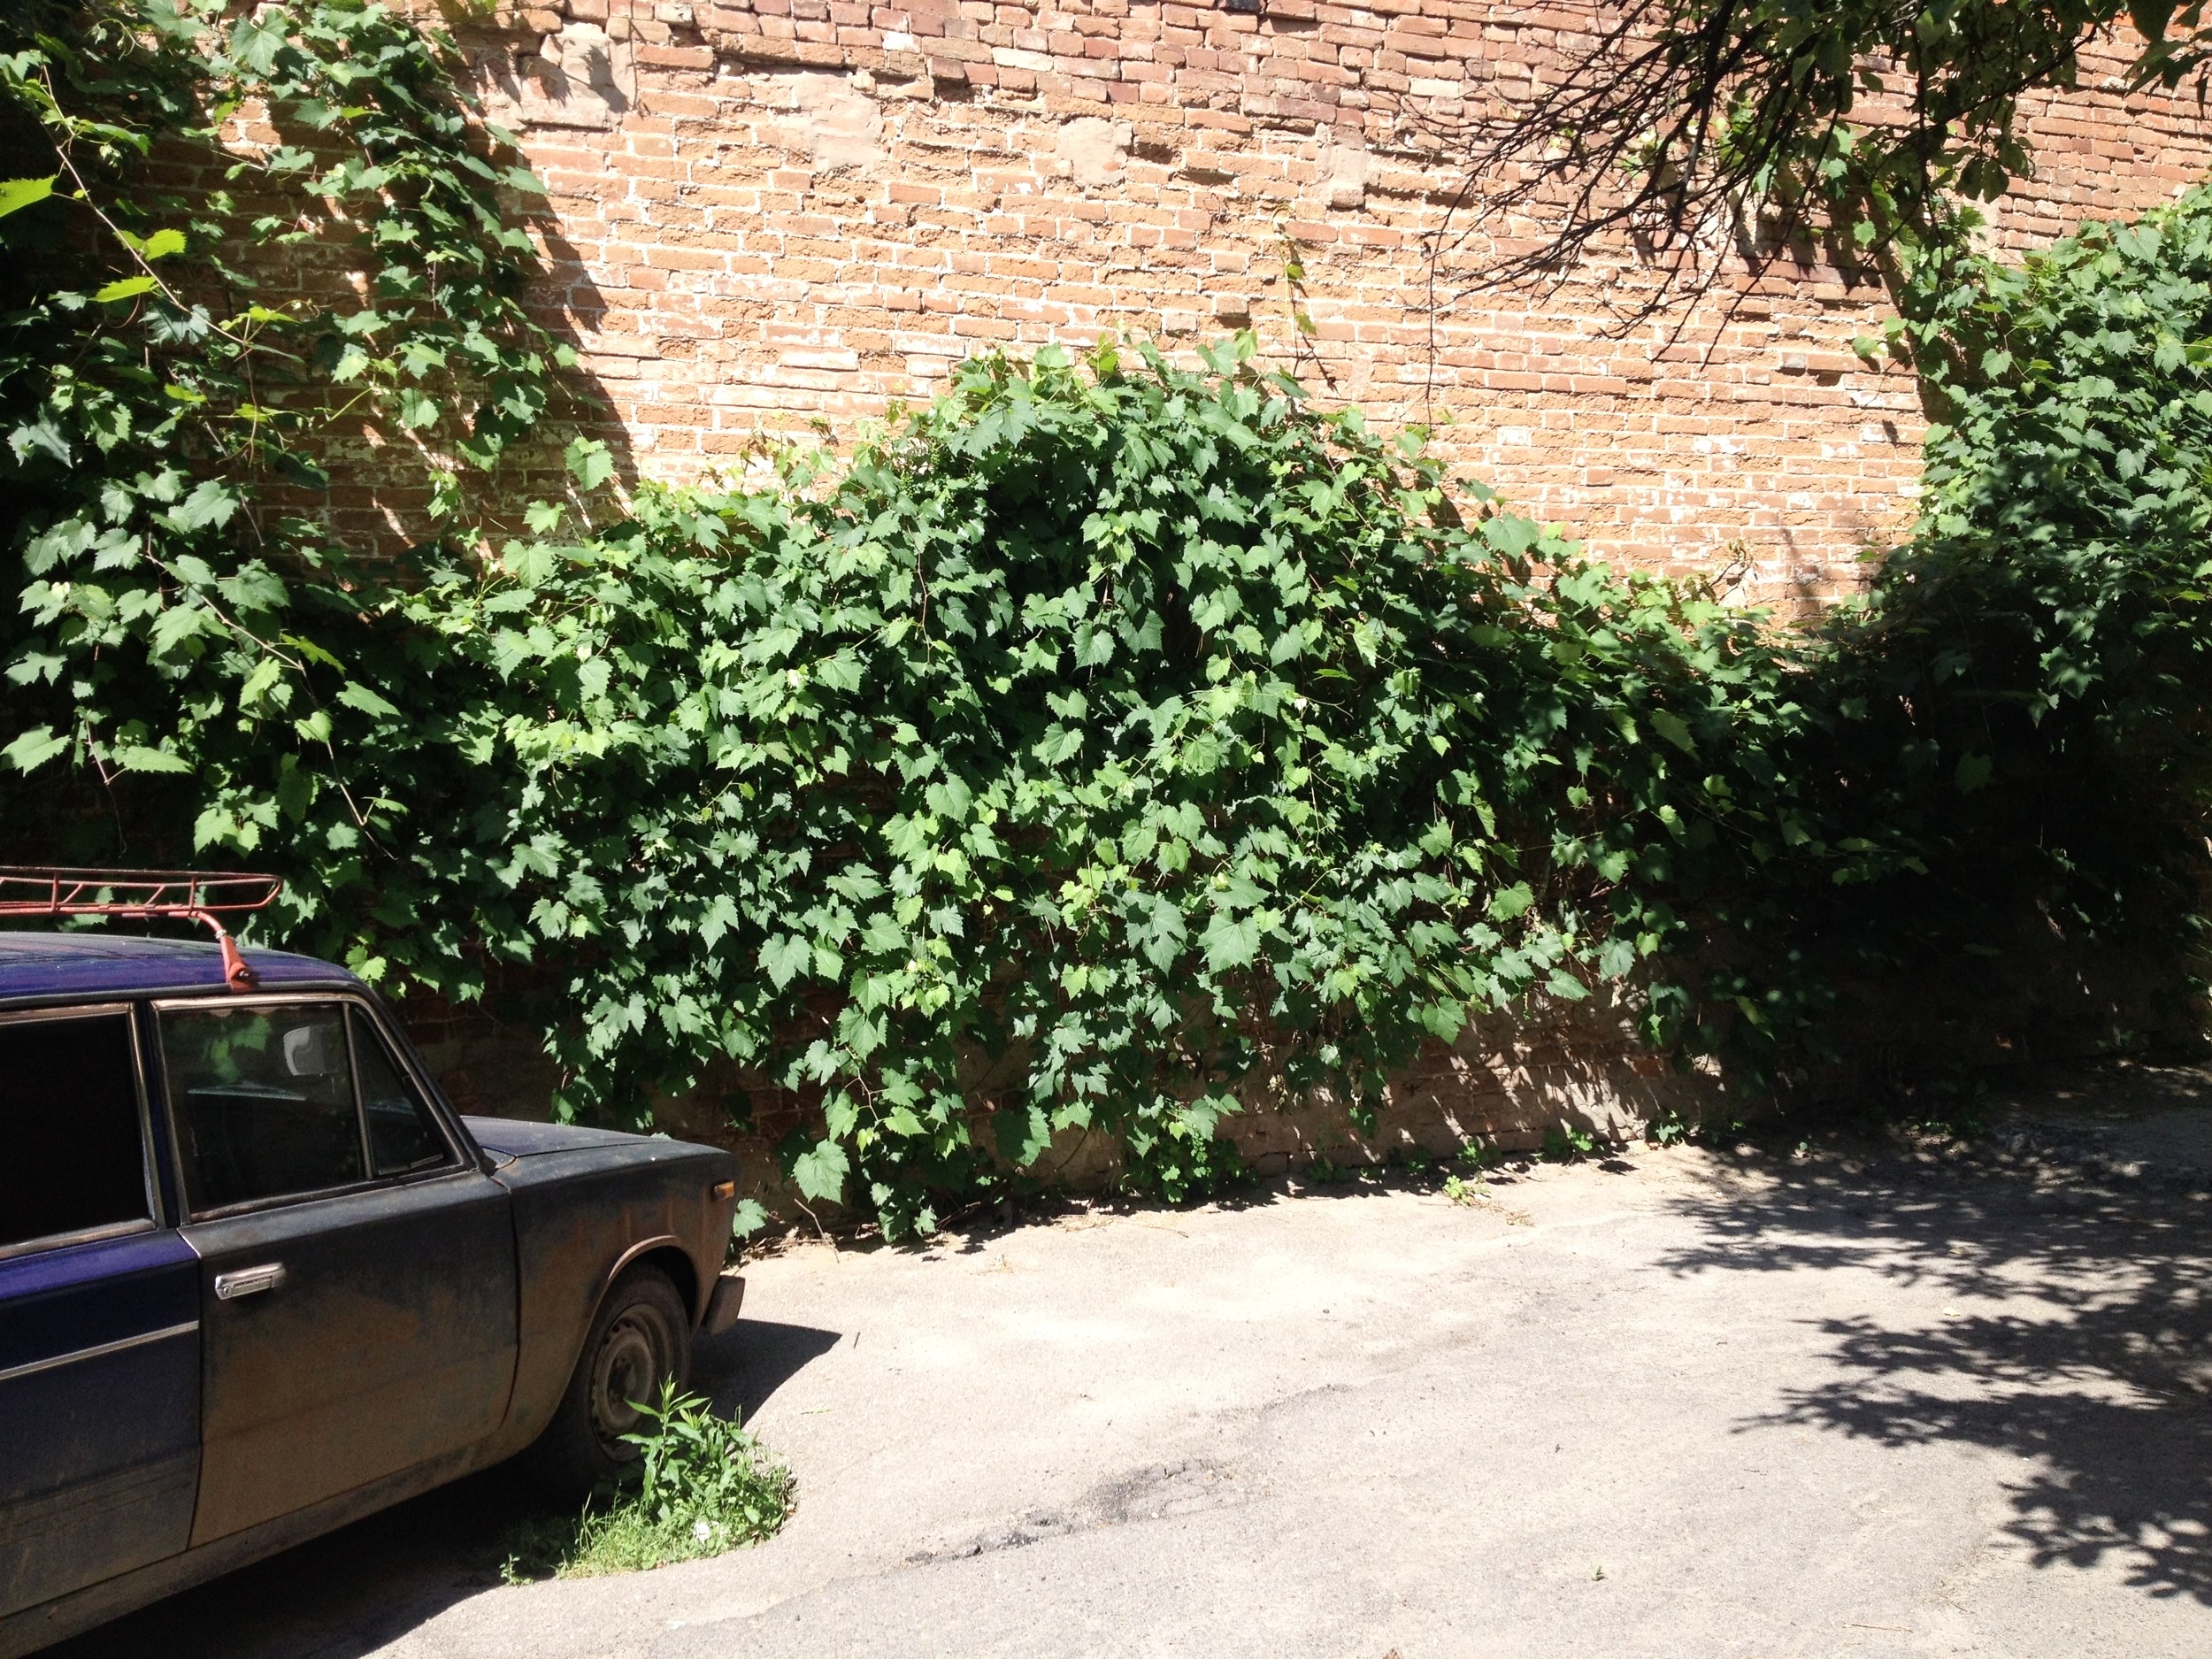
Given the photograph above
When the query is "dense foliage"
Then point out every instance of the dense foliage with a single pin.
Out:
(1125, 731)
(193, 640)
(1106, 748)
(2035, 667)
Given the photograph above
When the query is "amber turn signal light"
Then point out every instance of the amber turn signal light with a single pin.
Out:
(723, 1189)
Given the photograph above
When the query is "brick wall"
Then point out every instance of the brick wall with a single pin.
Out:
(773, 214)
(778, 215)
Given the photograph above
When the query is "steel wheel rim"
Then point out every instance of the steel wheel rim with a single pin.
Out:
(631, 1364)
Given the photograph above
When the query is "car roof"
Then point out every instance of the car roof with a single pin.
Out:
(49, 966)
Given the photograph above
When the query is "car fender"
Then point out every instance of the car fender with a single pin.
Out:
(645, 1247)
(585, 1212)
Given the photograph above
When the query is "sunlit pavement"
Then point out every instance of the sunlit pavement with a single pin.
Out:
(1689, 1401)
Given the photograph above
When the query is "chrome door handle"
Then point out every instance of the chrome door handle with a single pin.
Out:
(249, 1281)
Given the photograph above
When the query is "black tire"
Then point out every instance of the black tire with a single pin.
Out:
(640, 1338)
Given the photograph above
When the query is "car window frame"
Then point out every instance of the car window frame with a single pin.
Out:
(456, 1154)
(464, 1162)
(157, 1217)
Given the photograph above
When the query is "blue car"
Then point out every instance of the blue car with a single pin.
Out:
(257, 1278)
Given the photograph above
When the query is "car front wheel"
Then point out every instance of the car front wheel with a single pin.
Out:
(640, 1339)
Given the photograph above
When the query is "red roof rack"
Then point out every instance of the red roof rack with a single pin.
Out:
(192, 896)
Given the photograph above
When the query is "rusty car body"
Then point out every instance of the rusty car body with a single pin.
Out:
(259, 1279)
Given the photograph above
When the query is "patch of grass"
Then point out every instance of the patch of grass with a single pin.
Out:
(703, 1486)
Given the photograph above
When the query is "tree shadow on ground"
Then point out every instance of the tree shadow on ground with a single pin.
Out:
(2075, 1333)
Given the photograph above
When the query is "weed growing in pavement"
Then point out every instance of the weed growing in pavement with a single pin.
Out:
(703, 1486)
(1464, 1192)
(1567, 1144)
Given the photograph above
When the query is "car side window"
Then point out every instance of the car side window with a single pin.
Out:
(404, 1138)
(73, 1156)
(263, 1100)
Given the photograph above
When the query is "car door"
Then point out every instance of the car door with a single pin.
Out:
(357, 1271)
(99, 1316)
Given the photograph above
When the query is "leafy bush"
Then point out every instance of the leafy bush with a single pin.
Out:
(704, 1487)
(1134, 732)
(1106, 748)
(1114, 735)
(1101, 741)
(195, 646)
(2028, 679)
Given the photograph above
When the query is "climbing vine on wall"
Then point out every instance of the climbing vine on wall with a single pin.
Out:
(245, 241)
(1109, 747)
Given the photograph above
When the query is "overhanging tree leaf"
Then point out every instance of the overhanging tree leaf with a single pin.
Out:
(20, 193)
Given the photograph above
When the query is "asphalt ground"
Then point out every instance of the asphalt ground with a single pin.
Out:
(1869, 1398)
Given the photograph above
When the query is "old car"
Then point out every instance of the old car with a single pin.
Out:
(259, 1279)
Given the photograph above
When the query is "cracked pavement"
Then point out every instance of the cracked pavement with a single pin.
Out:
(1680, 1402)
